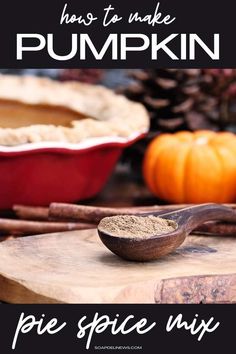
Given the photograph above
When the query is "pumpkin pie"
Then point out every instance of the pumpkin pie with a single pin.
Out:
(36, 109)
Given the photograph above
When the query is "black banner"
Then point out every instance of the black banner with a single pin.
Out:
(114, 33)
(115, 328)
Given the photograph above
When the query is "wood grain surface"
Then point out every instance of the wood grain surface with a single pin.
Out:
(74, 267)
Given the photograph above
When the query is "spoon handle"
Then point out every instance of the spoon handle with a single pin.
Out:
(192, 217)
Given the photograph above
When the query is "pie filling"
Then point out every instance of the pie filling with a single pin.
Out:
(15, 115)
(34, 110)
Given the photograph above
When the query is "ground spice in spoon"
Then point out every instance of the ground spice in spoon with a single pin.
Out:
(131, 226)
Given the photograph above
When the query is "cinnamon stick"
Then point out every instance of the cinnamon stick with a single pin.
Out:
(216, 228)
(94, 213)
(25, 227)
(30, 212)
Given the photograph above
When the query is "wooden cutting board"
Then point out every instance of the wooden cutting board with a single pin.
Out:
(75, 267)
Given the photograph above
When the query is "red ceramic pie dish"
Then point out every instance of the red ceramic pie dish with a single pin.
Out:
(60, 141)
(41, 173)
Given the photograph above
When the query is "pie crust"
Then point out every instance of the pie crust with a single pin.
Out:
(39, 109)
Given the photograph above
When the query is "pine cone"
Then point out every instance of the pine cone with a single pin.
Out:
(182, 99)
(90, 76)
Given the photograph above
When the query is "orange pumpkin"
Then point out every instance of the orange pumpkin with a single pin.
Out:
(190, 167)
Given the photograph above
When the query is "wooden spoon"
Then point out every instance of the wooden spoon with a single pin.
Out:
(153, 247)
